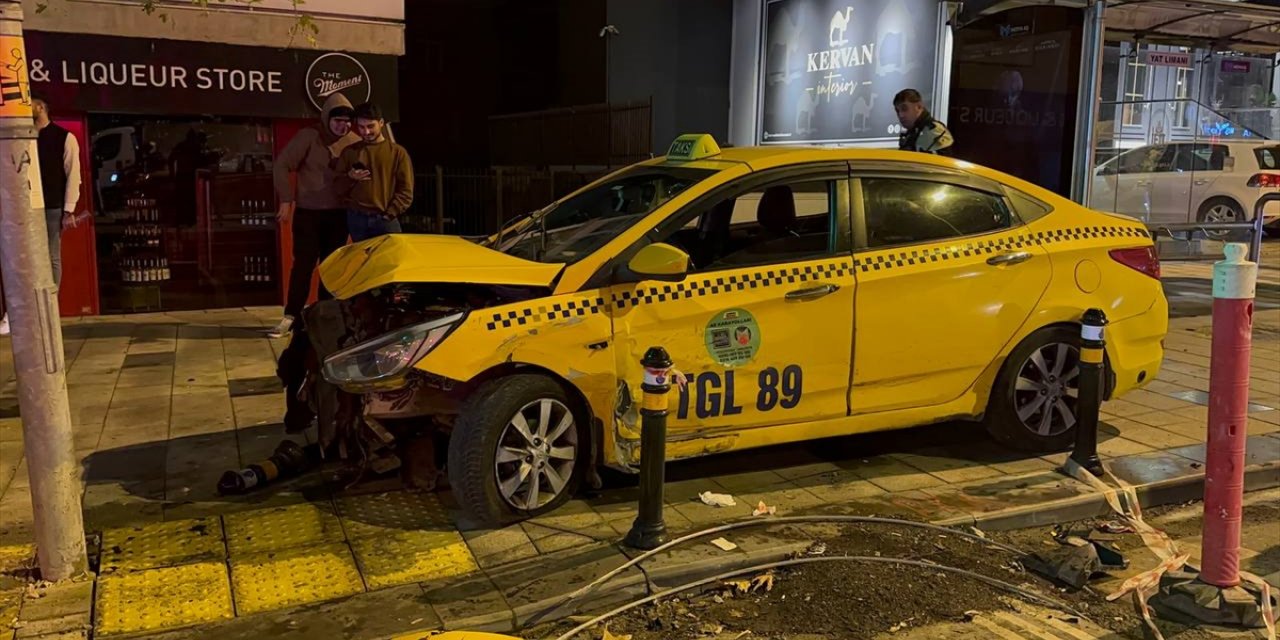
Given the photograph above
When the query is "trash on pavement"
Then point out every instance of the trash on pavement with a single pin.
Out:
(764, 509)
(1113, 526)
(763, 581)
(610, 636)
(724, 545)
(1077, 561)
(717, 499)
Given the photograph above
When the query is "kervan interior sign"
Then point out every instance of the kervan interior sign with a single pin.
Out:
(832, 67)
(142, 76)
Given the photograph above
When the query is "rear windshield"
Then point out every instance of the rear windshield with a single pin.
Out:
(1268, 157)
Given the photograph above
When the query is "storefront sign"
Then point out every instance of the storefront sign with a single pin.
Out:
(141, 76)
(1235, 66)
(1168, 59)
(337, 73)
(831, 67)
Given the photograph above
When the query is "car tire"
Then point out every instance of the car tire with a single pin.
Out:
(1013, 417)
(1223, 210)
(498, 491)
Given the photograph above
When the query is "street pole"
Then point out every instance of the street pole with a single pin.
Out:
(1217, 594)
(1087, 102)
(649, 531)
(32, 301)
(1090, 386)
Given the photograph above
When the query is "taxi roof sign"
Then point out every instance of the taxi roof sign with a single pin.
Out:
(693, 146)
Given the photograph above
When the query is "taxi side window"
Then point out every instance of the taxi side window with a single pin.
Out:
(903, 211)
(769, 225)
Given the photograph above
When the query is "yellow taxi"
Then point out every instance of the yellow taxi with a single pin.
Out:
(804, 293)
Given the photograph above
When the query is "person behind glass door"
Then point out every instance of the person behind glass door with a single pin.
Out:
(922, 133)
(376, 176)
(316, 209)
(59, 155)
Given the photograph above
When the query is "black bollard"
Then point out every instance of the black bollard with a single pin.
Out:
(1089, 398)
(649, 531)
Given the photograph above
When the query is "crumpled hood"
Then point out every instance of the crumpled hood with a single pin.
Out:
(401, 257)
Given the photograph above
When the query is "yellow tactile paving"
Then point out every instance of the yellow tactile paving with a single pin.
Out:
(10, 606)
(288, 577)
(296, 525)
(392, 512)
(412, 556)
(16, 556)
(162, 544)
(168, 597)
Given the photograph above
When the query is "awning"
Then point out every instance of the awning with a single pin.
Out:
(1250, 27)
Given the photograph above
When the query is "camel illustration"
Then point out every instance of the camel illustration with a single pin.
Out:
(862, 113)
(839, 24)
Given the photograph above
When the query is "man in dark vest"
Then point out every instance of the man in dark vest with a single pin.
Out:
(59, 153)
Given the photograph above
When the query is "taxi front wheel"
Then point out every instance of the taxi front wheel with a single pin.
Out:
(1033, 402)
(514, 452)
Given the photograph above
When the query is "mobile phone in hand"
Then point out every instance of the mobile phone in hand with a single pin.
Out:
(360, 166)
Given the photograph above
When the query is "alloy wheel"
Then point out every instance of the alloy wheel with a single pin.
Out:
(536, 454)
(1044, 395)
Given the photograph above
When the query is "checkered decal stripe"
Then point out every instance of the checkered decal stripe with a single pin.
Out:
(714, 285)
(546, 313)
(711, 285)
(910, 257)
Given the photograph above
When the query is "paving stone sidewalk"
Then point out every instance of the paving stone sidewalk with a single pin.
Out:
(164, 403)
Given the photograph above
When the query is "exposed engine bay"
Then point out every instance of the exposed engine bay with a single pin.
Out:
(396, 425)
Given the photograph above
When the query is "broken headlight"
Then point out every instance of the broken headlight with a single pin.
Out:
(390, 355)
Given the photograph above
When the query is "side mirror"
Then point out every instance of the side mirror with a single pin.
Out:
(658, 261)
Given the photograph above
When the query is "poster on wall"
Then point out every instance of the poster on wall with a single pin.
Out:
(1013, 93)
(832, 67)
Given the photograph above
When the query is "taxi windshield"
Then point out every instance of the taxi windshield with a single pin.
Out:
(574, 228)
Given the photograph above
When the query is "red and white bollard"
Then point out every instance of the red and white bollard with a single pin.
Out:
(1234, 282)
(1216, 594)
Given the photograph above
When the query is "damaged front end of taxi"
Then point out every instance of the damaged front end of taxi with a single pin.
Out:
(349, 368)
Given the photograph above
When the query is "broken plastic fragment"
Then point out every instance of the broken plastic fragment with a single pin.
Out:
(610, 636)
(763, 509)
(724, 545)
(717, 499)
(1113, 526)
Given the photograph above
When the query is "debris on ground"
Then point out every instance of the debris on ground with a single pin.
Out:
(764, 509)
(1114, 526)
(610, 636)
(717, 499)
(724, 545)
(762, 582)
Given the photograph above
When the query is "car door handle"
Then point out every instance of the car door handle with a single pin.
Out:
(1143, 183)
(1013, 257)
(812, 292)
(1201, 182)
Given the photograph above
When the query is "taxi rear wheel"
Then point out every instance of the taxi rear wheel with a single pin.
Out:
(1033, 402)
(515, 450)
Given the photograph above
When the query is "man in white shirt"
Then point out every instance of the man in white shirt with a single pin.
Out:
(59, 153)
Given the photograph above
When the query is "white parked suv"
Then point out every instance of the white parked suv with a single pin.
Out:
(1205, 181)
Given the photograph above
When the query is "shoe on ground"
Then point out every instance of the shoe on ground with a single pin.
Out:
(281, 330)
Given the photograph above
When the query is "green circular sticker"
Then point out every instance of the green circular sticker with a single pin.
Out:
(733, 337)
